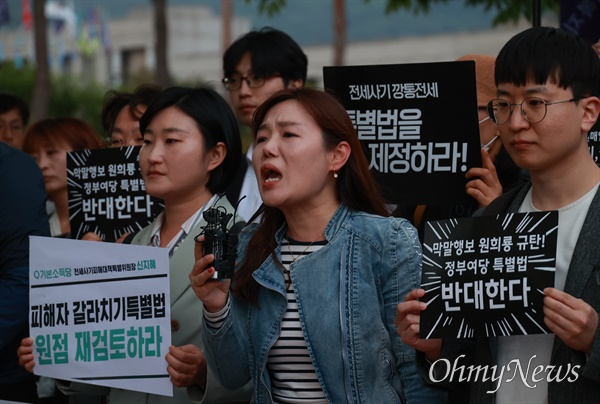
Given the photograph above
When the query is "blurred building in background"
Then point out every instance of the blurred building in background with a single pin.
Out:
(194, 50)
(114, 51)
(118, 51)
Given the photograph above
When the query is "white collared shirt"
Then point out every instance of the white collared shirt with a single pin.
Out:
(186, 227)
(249, 205)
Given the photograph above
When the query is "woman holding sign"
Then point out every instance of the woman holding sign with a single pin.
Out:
(48, 141)
(310, 312)
(191, 150)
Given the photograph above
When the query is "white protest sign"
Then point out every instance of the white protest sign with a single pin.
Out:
(100, 313)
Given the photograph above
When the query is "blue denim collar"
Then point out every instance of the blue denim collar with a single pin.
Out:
(330, 230)
(273, 279)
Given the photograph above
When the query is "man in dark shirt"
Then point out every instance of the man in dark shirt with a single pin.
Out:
(22, 214)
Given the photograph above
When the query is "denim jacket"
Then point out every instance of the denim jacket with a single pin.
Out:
(347, 294)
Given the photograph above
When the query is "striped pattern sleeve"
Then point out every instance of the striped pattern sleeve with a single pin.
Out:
(215, 320)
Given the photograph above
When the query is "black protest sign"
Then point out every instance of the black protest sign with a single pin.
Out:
(107, 195)
(594, 142)
(581, 18)
(485, 276)
(418, 125)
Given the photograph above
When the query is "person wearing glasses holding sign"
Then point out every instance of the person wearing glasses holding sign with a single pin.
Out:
(547, 100)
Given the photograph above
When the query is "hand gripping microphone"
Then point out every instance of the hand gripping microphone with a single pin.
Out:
(220, 241)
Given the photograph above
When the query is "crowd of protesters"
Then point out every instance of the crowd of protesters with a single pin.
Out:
(324, 305)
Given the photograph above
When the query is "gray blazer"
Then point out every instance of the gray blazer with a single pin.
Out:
(186, 325)
(583, 282)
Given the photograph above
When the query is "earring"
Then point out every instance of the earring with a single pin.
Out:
(335, 174)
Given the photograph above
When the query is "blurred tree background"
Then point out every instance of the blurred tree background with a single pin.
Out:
(74, 96)
(66, 98)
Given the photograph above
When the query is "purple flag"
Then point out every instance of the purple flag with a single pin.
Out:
(4, 14)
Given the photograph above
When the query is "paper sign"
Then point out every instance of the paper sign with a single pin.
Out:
(485, 276)
(107, 194)
(100, 313)
(418, 124)
(594, 142)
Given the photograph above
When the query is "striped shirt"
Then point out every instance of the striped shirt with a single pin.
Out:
(293, 376)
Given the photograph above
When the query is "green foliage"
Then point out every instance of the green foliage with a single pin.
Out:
(17, 81)
(506, 10)
(67, 97)
(416, 6)
(512, 10)
(270, 7)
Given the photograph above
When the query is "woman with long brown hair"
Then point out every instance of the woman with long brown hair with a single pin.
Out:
(310, 316)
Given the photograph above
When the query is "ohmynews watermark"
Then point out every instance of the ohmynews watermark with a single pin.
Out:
(442, 370)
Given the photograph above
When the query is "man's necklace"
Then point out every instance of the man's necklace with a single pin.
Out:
(294, 258)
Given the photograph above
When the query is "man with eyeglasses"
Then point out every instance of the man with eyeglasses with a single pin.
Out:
(14, 114)
(547, 100)
(498, 172)
(256, 66)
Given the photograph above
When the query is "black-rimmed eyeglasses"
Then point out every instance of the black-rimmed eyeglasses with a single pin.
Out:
(235, 82)
(533, 109)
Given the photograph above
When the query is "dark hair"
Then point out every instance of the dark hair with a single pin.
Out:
(115, 101)
(9, 102)
(215, 120)
(543, 53)
(271, 52)
(76, 133)
(355, 186)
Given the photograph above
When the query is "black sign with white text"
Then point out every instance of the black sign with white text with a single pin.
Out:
(485, 276)
(418, 125)
(107, 195)
(594, 142)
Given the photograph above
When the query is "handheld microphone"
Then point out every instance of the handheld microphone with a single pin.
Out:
(221, 241)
